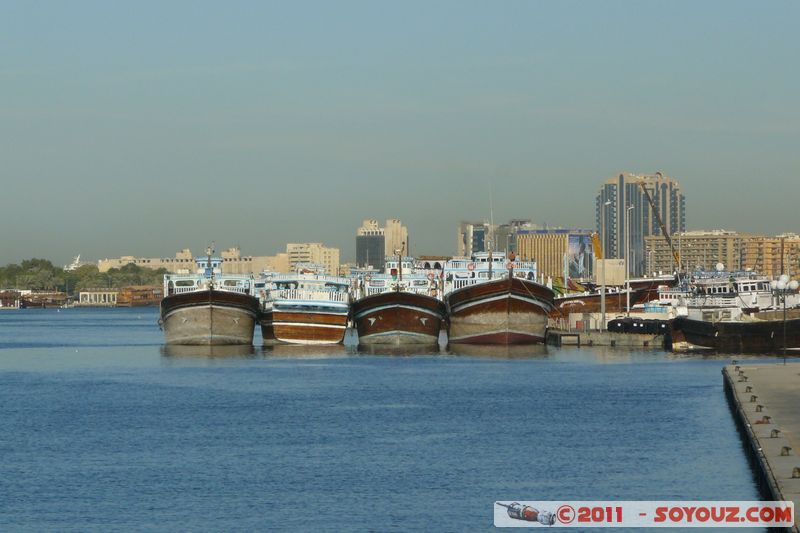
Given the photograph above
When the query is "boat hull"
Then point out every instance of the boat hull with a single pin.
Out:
(763, 336)
(303, 327)
(616, 303)
(505, 311)
(209, 318)
(398, 318)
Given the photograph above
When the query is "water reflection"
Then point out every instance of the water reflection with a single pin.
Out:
(408, 350)
(522, 351)
(315, 351)
(239, 350)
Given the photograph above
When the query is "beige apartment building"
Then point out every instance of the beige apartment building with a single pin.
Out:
(699, 250)
(773, 256)
(736, 251)
(313, 252)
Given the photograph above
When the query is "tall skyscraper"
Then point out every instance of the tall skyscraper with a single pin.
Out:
(622, 199)
(370, 245)
(473, 237)
(396, 237)
(374, 243)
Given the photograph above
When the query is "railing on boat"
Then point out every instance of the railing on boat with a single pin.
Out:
(194, 288)
(321, 278)
(380, 290)
(305, 294)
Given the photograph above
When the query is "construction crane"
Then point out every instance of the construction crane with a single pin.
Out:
(675, 255)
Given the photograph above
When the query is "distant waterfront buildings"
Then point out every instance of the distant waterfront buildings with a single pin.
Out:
(98, 297)
(313, 252)
(612, 213)
(773, 256)
(557, 251)
(702, 250)
(474, 237)
(374, 243)
(233, 262)
(698, 250)
(506, 235)
(396, 237)
(370, 245)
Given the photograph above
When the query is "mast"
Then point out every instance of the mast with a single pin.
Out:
(209, 251)
(491, 228)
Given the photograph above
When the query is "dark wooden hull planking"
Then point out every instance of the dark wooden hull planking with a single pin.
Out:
(398, 318)
(503, 311)
(209, 317)
(616, 303)
(299, 327)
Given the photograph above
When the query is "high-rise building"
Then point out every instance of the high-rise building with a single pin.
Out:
(621, 201)
(396, 237)
(505, 235)
(313, 252)
(370, 245)
(374, 243)
(557, 250)
(473, 237)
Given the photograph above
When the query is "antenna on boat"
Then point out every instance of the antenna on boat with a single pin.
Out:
(491, 227)
(209, 252)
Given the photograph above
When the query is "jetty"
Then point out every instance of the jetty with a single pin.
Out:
(765, 401)
(560, 337)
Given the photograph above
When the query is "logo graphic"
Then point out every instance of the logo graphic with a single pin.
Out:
(527, 513)
(645, 514)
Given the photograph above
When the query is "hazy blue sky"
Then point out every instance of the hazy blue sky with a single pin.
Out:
(143, 127)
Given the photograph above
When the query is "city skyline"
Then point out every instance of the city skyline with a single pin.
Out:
(257, 124)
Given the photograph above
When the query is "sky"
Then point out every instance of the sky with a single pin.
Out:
(139, 128)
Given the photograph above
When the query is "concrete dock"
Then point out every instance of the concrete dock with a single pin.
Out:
(558, 337)
(765, 400)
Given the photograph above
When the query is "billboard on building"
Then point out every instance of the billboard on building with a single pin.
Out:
(579, 255)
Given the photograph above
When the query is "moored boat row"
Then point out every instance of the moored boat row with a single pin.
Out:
(486, 299)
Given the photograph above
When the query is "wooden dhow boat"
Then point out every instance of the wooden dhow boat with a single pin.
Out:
(617, 302)
(399, 307)
(308, 307)
(734, 313)
(208, 307)
(495, 300)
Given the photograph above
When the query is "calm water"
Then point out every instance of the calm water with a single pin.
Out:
(104, 429)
